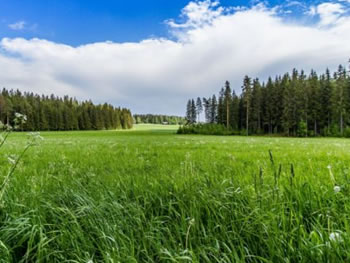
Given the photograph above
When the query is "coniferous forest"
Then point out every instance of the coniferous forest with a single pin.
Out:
(294, 104)
(158, 119)
(52, 113)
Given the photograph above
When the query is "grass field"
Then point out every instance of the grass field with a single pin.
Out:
(149, 195)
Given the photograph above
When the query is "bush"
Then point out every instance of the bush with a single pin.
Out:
(335, 131)
(302, 129)
(347, 132)
(206, 129)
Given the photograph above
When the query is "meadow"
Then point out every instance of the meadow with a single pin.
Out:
(149, 195)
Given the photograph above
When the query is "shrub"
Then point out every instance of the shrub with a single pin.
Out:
(347, 132)
(206, 129)
(302, 129)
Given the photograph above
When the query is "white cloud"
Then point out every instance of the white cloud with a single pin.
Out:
(312, 11)
(159, 75)
(330, 13)
(18, 25)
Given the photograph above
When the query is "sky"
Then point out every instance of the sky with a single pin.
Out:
(152, 56)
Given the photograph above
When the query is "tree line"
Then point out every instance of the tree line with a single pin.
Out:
(158, 119)
(293, 104)
(52, 113)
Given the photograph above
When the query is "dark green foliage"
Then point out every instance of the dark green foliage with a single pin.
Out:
(199, 107)
(61, 114)
(291, 105)
(158, 119)
(302, 129)
(206, 129)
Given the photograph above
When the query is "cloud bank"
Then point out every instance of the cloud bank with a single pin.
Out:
(207, 45)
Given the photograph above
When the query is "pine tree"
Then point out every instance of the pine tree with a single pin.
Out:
(227, 103)
(221, 107)
(189, 112)
(193, 112)
(207, 109)
(213, 109)
(314, 101)
(199, 107)
(339, 96)
(256, 106)
(247, 96)
(288, 103)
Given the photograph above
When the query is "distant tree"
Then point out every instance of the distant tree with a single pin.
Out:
(247, 97)
(227, 103)
(199, 107)
(207, 105)
(256, 106)
(339, 97)
(189, 111)
(54, 113)
(193, 112)
(295, 104)
(213, 109)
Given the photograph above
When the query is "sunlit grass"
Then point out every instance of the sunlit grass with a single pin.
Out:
(153, 196)
(155, 127)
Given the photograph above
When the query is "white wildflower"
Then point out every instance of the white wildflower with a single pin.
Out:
(337, 189)
(18, 115)
(335, 237)
(329, 167)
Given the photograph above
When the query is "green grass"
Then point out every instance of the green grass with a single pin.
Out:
(155, 127)
(152, 196)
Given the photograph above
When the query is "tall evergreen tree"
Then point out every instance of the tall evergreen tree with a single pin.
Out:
(199, 107)
(256, 106)
(247, 97)
(193, 112)
(189, 111)
(227, 104)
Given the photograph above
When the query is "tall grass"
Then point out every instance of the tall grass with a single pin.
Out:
(147, 197)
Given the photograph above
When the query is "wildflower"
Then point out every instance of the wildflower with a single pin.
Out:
(335, 237)
(18, 115)
(337, 189)
(329, 167)
(192, 221)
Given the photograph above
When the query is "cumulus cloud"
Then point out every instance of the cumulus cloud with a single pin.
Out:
(18, 25)
(158, 75)
(330, 13)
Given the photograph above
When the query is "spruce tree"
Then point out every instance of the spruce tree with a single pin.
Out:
(227, 103)
(247, 96)
(199, 108)
(193, 112)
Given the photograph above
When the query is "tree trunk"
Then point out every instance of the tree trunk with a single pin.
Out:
(227, 116)
(315, 127)
(247, 121)
(341, 124)
(328, 124)
(307, 126)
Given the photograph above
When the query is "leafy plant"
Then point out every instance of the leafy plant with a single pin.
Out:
(33, 139)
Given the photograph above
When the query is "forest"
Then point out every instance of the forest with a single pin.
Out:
(158, 119)
(52, 113)
(294, 104)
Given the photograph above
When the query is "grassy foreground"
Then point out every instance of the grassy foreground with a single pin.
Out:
(153, 196)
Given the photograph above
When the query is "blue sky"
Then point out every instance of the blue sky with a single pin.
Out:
(77, 22)
(152, 56)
